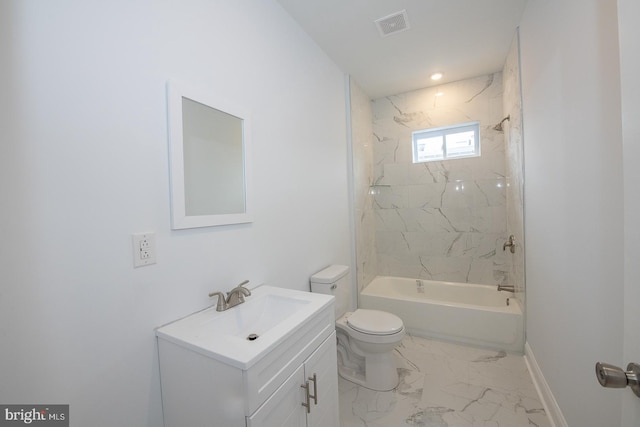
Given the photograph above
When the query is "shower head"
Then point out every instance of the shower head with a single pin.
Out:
(499, 127)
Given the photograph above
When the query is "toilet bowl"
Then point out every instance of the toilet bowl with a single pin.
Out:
(371, 336)
(366, 338)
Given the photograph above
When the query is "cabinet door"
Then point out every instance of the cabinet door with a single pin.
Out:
(323, 363)
(284, 407)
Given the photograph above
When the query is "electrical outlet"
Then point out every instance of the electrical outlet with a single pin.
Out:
(144, 249)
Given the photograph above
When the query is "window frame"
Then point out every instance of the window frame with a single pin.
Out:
(443, 131)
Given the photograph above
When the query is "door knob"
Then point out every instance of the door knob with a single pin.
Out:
(613, 377)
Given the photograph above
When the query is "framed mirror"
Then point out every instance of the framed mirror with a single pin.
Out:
(208, 154)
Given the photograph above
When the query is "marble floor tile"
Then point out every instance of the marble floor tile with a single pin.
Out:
(447, 385)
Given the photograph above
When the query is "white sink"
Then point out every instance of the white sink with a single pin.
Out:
(256, 316)
(242, 334)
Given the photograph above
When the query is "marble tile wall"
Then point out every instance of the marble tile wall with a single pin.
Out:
(362, 146)
(514, 163)
(441, 220)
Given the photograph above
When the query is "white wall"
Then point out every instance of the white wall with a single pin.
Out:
(628, 11)
(573, 200)
(83, 165)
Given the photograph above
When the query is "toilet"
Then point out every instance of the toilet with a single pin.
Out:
(366, 338)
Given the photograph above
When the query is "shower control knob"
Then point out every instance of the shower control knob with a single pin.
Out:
(611, 376)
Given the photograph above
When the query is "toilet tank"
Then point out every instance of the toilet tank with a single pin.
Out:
(334, 280)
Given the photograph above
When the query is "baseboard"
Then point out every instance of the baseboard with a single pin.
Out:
(548, 401)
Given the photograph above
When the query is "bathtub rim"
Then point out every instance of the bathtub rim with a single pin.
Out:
(514, 307)
(506, 335)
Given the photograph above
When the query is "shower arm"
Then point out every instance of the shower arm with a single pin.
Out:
(499, 127)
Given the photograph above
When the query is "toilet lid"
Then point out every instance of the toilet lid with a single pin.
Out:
(374, 322)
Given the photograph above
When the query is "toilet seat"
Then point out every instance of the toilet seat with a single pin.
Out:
(374, 322)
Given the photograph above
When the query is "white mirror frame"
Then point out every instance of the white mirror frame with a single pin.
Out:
(179, 217)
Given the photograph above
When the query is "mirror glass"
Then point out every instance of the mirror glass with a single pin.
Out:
(208, 156)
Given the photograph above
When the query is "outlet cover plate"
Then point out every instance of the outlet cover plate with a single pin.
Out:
(144, 249)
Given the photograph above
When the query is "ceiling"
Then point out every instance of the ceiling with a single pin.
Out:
(460, 38)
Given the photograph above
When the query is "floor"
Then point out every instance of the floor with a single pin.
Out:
(447, 385)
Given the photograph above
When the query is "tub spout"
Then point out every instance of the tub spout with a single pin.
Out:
(508, 288)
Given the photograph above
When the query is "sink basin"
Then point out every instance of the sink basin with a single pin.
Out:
(256, 316)
(242, 334)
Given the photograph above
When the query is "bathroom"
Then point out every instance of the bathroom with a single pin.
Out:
(84, 166)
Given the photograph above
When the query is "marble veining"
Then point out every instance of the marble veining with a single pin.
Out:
(443, 220)
(447, 385)
(362, 149)
(514, 161)
(486, 86)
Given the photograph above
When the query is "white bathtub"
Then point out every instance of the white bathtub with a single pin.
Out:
(462, 312)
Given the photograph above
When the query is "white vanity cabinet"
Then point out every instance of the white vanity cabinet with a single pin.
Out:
(315, 384)
(261, 383)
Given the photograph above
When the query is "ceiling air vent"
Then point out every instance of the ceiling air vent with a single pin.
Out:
(392, 24)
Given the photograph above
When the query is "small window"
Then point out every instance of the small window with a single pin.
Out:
(450, 142)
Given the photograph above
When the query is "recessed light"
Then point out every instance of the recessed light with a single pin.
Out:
(436, 76)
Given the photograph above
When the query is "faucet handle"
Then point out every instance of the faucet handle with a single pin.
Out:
(236, 295)
(222, 302)
(511, 244)
(245, 291)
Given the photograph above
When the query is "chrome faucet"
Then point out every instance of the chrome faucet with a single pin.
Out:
(508, 288)
(234, 297)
